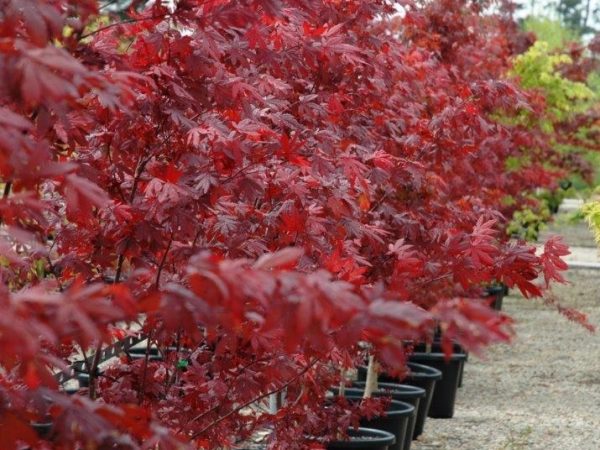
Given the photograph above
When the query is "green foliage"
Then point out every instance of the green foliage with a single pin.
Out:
(527, 223)
(514, 164)
(580, 185)
(594, 160)
(537, 69)
(550, 31)
(591, 212)
(574, 218)
(540, 69)
(553, 199)
(593, 82)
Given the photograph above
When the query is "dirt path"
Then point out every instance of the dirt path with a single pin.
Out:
(542, 392)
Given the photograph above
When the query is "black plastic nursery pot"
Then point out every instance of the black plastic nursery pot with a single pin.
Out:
(140, 353)
(421, 376)
(462, 370)
(71, 390)
(436, 347)
(364, 439)
(44, 425)
(412, 395)
(444, 394)
(84, 379)
(495, 295)
(136, 353)
(395, 421)
(43, 429)
(426, 378)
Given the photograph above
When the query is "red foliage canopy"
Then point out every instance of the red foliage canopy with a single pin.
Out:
(260, 185)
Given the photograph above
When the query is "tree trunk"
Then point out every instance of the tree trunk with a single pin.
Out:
(371, 383)
(586, 17)
(342, 389)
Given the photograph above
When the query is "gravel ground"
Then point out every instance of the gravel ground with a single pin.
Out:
(584, 251)
(577, 234)
(540, 393)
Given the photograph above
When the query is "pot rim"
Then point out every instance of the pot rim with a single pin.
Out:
(402, 408)
(423, 371)
(436, 356)
(494, 289)
(404, 389)
(375, 437)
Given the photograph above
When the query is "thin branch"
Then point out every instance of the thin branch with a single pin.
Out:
(6, 193)
(378, 203)
(162, 261)
(120, 261)
(138, 173)
(7, 188)
(52, 267)
(86, 360)
(195, 242)
(170, 379)
(239, 172)
(107, 4)
(298, 398)
(248, 403)
(205, 413)
(93, 371)
(438, 278)
(142, 389)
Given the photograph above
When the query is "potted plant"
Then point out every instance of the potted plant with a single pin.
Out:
(399, 417)
(421, 376)
(495, 293)
(412, 395)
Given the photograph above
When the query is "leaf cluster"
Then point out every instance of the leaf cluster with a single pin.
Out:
(257, 188)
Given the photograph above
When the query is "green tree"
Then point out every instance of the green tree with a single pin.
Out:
(578, 15)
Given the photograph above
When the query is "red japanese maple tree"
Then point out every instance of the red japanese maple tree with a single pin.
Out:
(256, 187)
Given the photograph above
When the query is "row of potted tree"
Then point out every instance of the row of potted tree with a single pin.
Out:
(267, 192)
